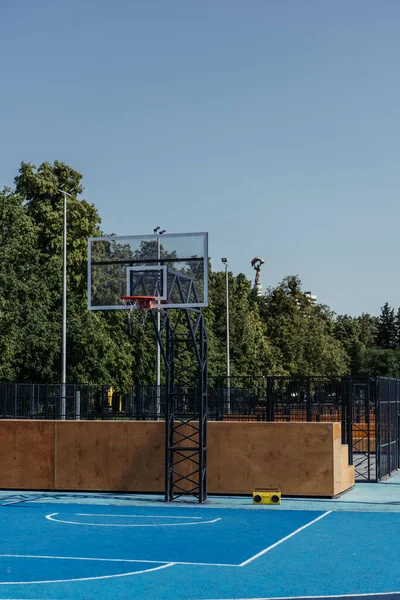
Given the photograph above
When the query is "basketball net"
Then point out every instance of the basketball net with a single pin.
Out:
(137, 314)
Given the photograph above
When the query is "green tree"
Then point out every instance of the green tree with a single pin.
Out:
(27, 341)
(380, 362)
(41, 189)
(356, 334)
(302, 331)
(368, 326)
(386, 329)
(250, 350)
(284, 332)
(99, 349)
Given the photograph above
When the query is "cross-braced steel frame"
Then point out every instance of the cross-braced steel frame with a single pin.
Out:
(182, 337)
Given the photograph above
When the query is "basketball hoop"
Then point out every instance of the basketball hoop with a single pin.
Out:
(137, 308)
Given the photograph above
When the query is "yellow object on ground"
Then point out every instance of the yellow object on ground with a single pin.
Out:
(263, 496)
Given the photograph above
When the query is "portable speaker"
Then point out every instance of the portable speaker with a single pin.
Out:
(263, 496)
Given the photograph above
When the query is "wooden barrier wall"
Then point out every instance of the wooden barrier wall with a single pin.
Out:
(302, 459)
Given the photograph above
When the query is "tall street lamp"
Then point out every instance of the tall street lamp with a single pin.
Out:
(228, 368)
(158, 233)
(64, 309)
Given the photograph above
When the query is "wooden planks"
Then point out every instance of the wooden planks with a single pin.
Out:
(27, 450)
(301, 459)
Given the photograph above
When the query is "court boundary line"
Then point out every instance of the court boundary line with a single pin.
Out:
(272, 546)
(355, 595)
(121, 560)
(359, 595)
(134, 516)
(50, 517)
(96, 578)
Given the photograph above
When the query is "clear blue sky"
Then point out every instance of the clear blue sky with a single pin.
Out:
(273, 125)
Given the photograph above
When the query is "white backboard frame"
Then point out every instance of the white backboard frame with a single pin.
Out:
(149, 238)
(161, 268)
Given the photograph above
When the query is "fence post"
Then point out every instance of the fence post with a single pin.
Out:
(216, 393)
(16, 393)
(308, 400)
(3, 400)
(389, 424)
(46, 402)
(3, 397)
(397, 426)
(137, 401)
(77, 405)
(31, 400)
(270, 398)
(349, 418)
(367, 419)
(215, 401)
(343, 409)
(378, 428)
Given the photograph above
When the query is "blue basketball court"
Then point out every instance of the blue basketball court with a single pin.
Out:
(91, 546)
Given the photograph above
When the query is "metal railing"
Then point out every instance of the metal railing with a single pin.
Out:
(388, 426)
(368, 408)
(45, 401)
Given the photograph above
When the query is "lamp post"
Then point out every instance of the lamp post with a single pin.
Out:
(158, 233)
(228, 368)
(64, 310)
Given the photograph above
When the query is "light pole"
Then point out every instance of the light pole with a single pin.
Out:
(158, 380)
(228, 367)
(64, 310)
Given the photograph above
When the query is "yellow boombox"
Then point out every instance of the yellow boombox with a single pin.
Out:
(263, 496)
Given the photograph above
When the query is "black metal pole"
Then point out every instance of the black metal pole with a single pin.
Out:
(349, 398)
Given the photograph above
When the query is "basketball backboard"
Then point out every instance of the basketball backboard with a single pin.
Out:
(172, 267)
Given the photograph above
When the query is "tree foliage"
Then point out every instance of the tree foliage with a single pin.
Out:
(302, 331)
(284, 332)
(386, 328)
(250, 349)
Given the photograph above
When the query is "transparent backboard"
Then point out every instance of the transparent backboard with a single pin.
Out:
(172, 267)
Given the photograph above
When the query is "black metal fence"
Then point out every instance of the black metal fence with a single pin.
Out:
(46, 401)
(368, 408)
(387, 426)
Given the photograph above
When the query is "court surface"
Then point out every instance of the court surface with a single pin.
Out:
(90, 546)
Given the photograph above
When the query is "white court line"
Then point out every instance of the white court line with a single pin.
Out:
(355, 595)
(51, 516)
(122, 560)
(163, 564)
(133, 516)
(201, 564)
(87, 578)
(249, 560)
